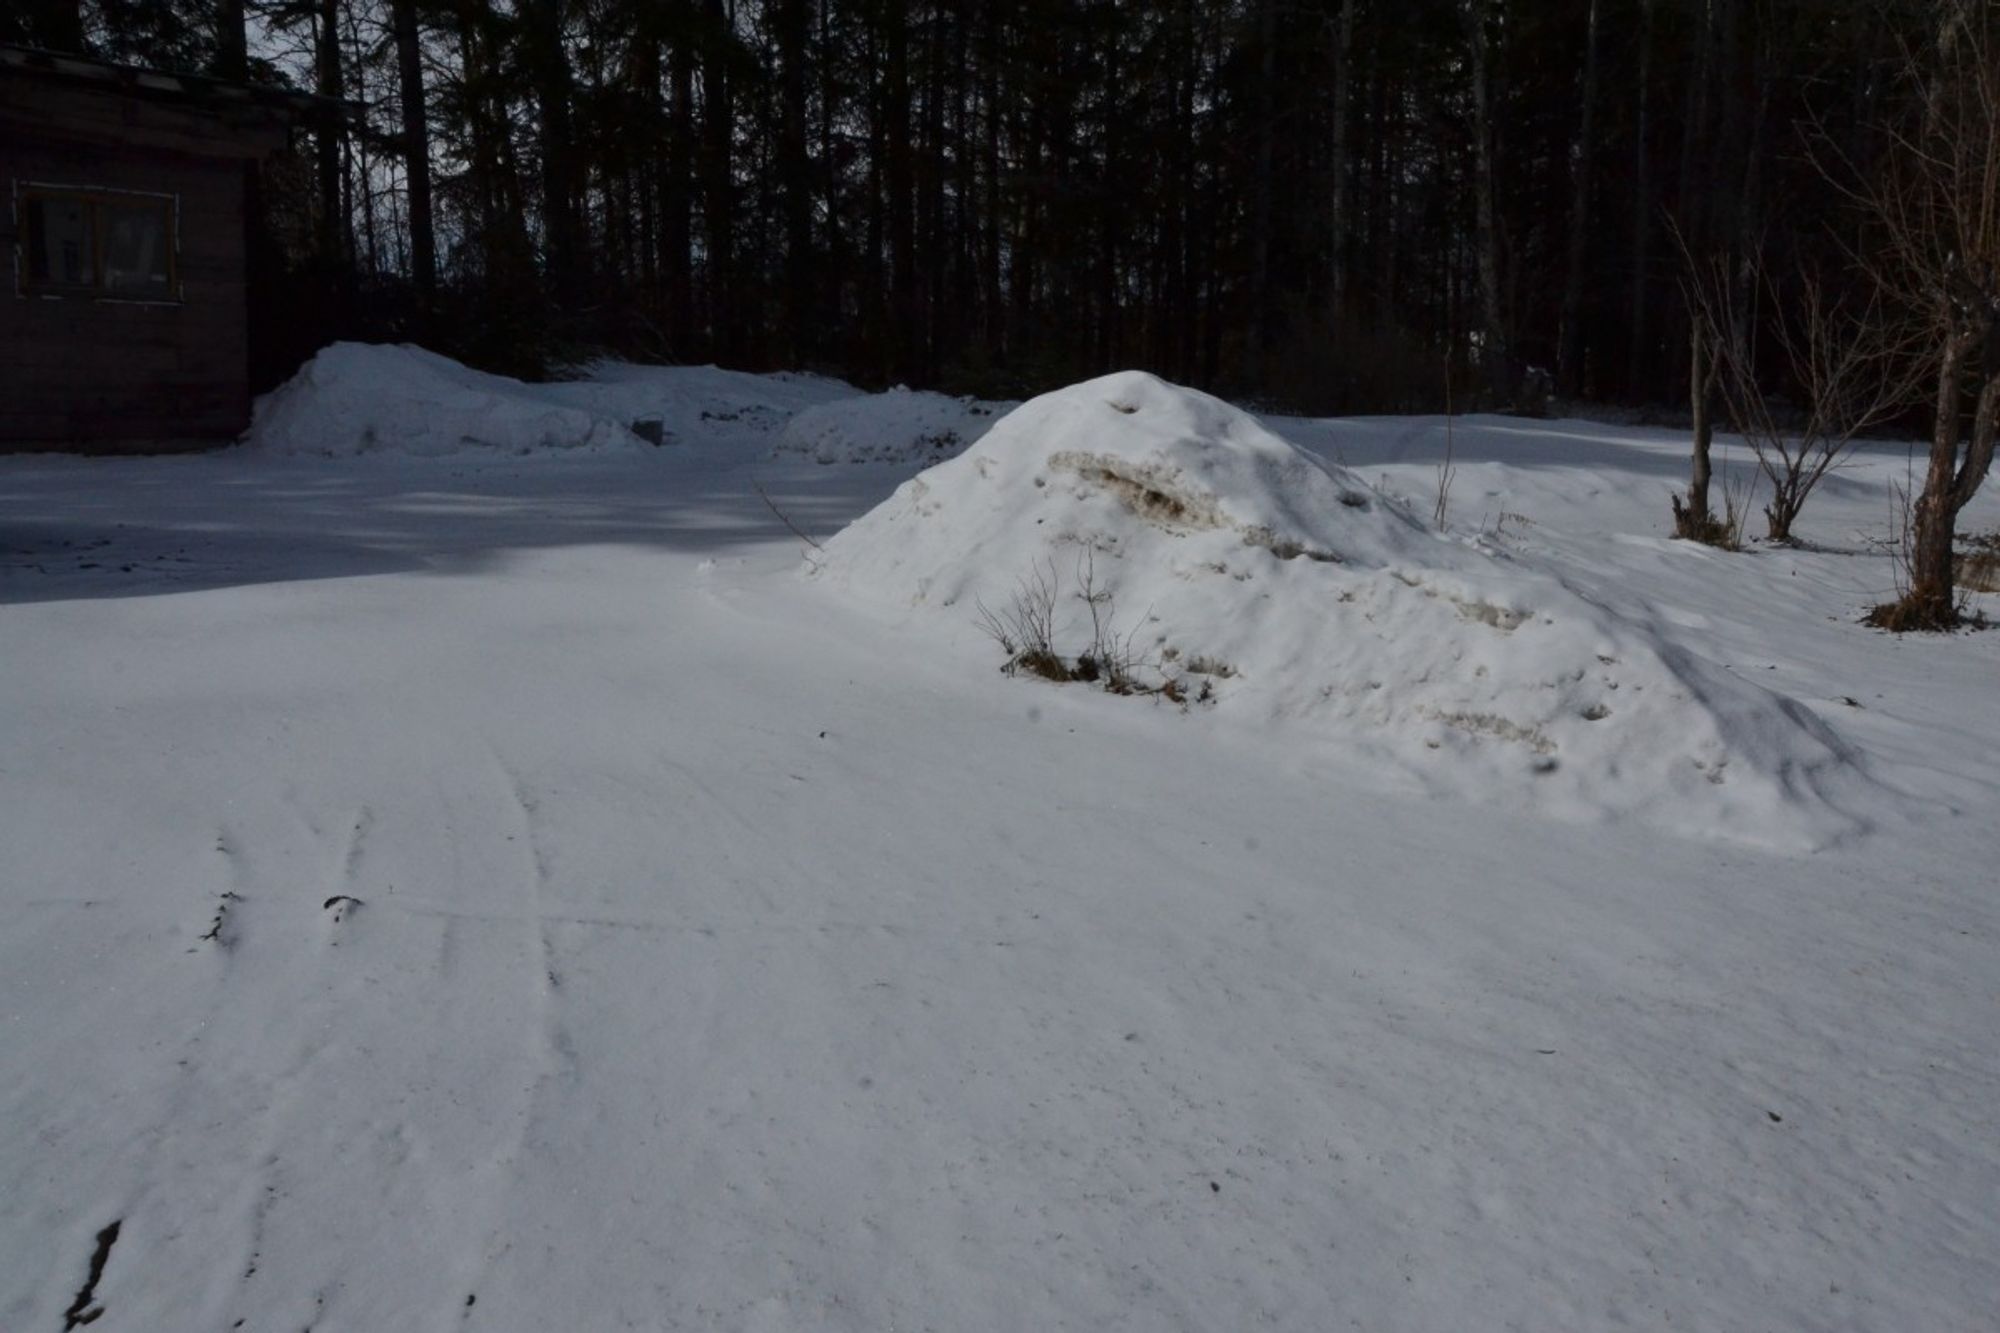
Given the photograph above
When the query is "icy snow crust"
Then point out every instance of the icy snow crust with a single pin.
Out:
(894, 427)
(1467, 670)
(362, 398)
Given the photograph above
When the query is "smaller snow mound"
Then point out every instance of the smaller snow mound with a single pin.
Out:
(1171, 529)
(895, 427)
(359, 398)
(697, 405)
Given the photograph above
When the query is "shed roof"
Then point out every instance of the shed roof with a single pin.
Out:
(169, 84)
(79, 97)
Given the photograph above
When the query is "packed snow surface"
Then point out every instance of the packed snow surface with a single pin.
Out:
(496, 892)
(895, 427)
(1304, 597)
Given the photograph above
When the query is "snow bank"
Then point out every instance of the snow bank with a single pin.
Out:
(698, 406)
(893, 427)
(356, 398)
(1310, 600)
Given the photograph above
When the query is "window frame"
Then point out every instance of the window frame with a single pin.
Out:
(98, 199)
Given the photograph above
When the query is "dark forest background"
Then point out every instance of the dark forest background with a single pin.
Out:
(1334, 205)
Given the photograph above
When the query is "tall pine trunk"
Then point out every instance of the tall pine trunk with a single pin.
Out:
(1642, 207)
(1262, 187)
(333, 248)
(1496, 356)
(676, 195)
(1570, 359)
(549, 70)
(416, 151)
(898, 181)
(795, 177)
(1340, 227)
(232, 55)
(718, 185)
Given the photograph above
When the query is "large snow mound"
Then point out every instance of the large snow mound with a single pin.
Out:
(356, 398)
(1312, 600)
(894, 427)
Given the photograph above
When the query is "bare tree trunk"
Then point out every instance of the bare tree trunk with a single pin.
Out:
(1950, 482)
(1262, 186)
(1642, 207)
(332, 215)
(1932, 515)
(232, 57)
(1694, 519)
(1570, 365)
(718, 179)
(899, 181)
(794, 177)
(989, 256)
(1340, 229)
(1689, 212)
(416, 151)
(645, 70)
(548, 61)
(53, 25)
(484, 167)
(1938, 207)
(1496, 355)
(676, 228)
(833, 272)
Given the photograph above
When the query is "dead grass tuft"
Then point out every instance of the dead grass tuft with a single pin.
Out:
(1919, 611)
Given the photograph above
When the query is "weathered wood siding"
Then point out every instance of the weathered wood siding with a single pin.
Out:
(110, 375)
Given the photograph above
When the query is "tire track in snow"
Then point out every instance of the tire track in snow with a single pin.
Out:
(527, 807)
(350, 866)
(546, 1053)
(223, 928)
(260, 939)
(263, 1189)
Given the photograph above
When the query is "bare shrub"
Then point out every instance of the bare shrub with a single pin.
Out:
(1111, 656)
(1849, 365)
(1025, 628)
(1447, 471)
(1848, 361)
(1739, 491)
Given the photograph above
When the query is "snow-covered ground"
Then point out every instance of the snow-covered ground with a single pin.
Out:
(510, 892)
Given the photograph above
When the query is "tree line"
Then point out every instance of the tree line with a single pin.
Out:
(1325, 203)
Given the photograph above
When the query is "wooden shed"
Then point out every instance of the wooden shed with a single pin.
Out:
(124, 326)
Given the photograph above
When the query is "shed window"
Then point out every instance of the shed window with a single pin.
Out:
(98, 243)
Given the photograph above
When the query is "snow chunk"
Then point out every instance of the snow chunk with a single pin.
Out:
(1329, 606)
(893, 427)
